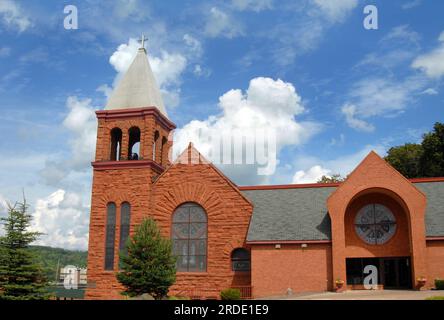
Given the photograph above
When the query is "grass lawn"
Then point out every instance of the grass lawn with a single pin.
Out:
(435, 298)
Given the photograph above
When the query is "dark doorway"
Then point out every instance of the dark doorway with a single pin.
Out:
(393, 273)
(396, 273)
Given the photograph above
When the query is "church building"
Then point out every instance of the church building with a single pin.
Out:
(263, 240)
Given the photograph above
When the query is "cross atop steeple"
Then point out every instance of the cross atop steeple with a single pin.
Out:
(138, 87)
(142, 41)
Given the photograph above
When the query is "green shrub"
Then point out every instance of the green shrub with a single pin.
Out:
(230, 294)
(439, 284)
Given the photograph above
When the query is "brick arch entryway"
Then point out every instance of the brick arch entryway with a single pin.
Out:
(377, 234)
(372, 174)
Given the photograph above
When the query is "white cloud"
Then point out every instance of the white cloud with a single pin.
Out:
(373, 97)
(349, 110)
(199, 71)
(411, 4)
(401, 33)
(254, 5)
(432, 63)
(314, 168)
(105, 89)
(221, 24)
(13, 15)
(430, 92)
(304, 30)
(194, 45)
(267, 103)
(312, 175)
(82, 124)
(338, 141)
(81, 121)
(336, 10)
(167, 69)
(130, 9)
(63, 219)
(3, 212)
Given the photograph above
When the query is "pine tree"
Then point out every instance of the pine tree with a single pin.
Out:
(149, 265)
(20, 277)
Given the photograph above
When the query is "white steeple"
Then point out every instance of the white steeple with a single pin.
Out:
(138, 87)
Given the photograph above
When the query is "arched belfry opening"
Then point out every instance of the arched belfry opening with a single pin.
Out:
(163, 151)
(116, 144)
(155, 144)
(134, 143)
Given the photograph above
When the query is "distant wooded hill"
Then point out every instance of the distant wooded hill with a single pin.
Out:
(49, 258)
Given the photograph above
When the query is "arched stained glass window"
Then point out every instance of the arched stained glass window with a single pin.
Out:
(125, 217)
(110, 235)
(240, 260)
(189, 236)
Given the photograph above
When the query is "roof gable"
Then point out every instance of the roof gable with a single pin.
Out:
(375, 172)
(191, 156)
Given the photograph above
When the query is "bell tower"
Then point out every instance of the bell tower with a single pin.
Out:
(133, 144)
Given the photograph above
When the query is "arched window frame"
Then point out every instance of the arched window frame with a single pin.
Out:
(116, 144)
(162, 149)
(240, 260)
(155, 141)
(190, 237)
(133, 138)
(110, 235)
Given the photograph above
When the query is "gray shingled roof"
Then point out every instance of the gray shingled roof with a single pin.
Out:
(301, 213)
(435, 207)
(289, 214)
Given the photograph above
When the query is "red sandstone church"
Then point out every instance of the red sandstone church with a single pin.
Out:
(265, 240)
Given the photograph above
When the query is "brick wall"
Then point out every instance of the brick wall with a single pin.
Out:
(301, 269)
(117, 185)
(435, 262)
(228, 215)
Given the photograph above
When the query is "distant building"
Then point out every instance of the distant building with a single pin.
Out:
(71, 275)
(71, 283)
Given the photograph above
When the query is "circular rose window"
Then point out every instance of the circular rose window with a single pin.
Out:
(375, 224)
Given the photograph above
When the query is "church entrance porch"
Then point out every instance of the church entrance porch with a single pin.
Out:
(392, 272)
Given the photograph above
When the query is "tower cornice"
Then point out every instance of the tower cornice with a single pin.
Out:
(136, 112)
(127, 164)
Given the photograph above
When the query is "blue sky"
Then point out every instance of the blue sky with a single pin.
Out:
(342, 90)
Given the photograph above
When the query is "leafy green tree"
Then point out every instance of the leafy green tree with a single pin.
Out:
(20, 277)
(420, 160)
(53, 258)
(149, 266)
(335, 178)
(432, 158)
(406, 159)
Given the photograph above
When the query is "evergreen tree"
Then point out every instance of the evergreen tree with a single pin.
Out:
(149, 265)
(20, 277)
